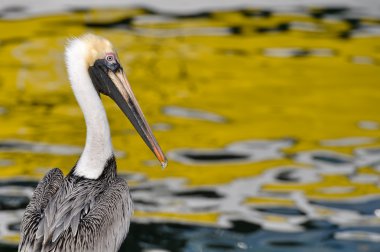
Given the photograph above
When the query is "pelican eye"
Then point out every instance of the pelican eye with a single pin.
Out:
(111, 62)
(110, 58)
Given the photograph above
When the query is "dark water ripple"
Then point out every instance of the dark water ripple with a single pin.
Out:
(367, 207)
(355, 22)
(190, 238)
(318, 235)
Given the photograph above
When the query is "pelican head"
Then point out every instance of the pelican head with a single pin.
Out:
(97, 56)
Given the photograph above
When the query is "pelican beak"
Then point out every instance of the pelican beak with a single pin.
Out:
(117, 87)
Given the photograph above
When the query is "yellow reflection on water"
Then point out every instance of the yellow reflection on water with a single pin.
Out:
(247, 78)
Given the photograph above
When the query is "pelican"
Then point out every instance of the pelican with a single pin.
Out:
(90, 208)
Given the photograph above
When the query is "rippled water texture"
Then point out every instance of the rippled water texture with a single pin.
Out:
(271, 123)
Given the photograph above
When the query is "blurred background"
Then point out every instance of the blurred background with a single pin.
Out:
(268, 111)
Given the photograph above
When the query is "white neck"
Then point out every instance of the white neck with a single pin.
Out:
(98, 148)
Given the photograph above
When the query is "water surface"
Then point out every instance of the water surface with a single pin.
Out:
(270, 120)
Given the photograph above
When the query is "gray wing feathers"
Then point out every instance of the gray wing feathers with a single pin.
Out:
(80, 215)
(65, 211)
(92, 220)
(44, 192)
(110, 217)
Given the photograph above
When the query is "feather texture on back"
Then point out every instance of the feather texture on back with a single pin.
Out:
(82, 215)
